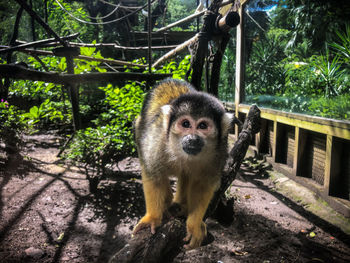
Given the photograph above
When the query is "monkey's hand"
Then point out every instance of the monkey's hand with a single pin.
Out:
(146, 221)
(196, 232)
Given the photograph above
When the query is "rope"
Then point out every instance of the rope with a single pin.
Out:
(101, 23)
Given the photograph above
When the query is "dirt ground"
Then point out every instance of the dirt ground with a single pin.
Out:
(48, 215)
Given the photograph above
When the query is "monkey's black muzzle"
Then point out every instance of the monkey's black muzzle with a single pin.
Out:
(192, 144)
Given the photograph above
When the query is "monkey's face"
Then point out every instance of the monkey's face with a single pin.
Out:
(194, 136)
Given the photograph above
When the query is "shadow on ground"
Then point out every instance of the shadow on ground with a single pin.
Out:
(47, 214)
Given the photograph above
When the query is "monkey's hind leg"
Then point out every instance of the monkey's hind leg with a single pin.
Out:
(158, 197)
(198, 201)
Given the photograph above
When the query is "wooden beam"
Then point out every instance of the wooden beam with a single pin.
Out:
(181, 21)
(18, 72)
(274, 140)
(190, 17)
(40, 21)
(174, 52)
(36, 43)
(104, 60)
(112, 45)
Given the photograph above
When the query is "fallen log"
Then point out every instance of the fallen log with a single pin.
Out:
(167, 242)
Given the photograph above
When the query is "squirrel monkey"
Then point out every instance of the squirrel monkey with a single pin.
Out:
(181, 132)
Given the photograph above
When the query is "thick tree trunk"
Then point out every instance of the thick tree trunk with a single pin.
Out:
(167, 242)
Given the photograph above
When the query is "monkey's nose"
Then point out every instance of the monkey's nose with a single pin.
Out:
(192, 144)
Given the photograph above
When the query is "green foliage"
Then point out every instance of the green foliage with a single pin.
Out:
(112, 138)
(122, 104)
(64, 24)
(178, 69)
(52, 107)
(294, 66)
(294, 103)
(48, 113)
(342, 46)
(12, 125)
(101, 146)
(337, 107)
(329, 70)
(227, 73)
(178, 9)
(300, 79)
(264, 71)
(84, 66)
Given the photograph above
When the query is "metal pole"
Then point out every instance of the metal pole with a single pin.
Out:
(240, 55)
(149, 37)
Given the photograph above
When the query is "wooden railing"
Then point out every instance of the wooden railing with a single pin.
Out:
(311, 150)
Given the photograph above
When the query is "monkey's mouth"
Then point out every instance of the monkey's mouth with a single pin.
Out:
(192, 144)
(192, 150)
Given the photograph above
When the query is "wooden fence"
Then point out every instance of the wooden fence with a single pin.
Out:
(313, 151)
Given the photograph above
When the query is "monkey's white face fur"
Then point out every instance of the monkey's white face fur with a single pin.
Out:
(194, 140)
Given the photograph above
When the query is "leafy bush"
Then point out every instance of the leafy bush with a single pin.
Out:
(49, 112)
(301, 79)
(337, 107)
(342, 46)
(51, 104)
(12, 126)
(294, 103)
(330, 71)
(178, 69)
(264, 72)
(112, 138)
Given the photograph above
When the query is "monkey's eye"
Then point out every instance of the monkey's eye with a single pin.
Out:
(186, 124)
(203, 125)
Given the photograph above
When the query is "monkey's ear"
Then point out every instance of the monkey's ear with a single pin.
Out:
(166, 109)
(227, 122)
(228, 118)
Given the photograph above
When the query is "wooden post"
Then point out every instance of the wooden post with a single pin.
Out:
(296, 150)
(274, 140)
(328, 164)
(240, 67)
(73, 89)
(300, 144)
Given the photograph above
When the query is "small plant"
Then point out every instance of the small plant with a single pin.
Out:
(12, 126)
(342, 47)
(112, 139)
(178, 69)
(48, 113)
(330, 71)
(337, 107)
